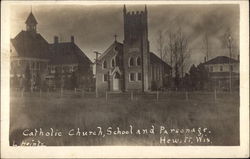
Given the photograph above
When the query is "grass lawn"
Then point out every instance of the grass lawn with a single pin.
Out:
(171, 110)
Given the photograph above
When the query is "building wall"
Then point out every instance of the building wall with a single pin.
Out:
(136, 45)
(156, 72)
(100, 83)
(219, 77)
(223, 67)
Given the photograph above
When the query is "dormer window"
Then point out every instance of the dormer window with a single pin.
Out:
(104, 64)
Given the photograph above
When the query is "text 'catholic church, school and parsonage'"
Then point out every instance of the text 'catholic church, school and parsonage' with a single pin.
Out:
(128, 66)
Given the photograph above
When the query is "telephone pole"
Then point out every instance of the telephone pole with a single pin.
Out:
(96, 63)
(207, 49)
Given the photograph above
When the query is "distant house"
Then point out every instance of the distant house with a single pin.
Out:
(31, 55)
(130, 65)
(221, 69)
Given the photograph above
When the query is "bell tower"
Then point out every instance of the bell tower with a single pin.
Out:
(31, 23)
(136, 46)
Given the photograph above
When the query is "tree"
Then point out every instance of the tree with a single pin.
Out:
(193, 77)
(203, 76)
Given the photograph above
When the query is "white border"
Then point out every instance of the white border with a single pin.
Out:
(128, 151)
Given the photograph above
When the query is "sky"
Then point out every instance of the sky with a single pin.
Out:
(94, 26)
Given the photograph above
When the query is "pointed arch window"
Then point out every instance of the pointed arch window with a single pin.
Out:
(113, 62)
(138, 61)
(131, 61)
(104, 64)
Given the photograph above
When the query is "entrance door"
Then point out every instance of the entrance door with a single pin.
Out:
(116, 82)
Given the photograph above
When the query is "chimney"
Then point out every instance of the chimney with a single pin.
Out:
(238, 58)
(205, 59)
(55, 39)
(72, 39)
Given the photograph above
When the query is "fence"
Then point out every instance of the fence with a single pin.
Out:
(130, 95)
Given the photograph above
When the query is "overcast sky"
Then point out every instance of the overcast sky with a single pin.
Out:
(94, 26)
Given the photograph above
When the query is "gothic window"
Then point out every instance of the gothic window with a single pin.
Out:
(113, 62)
(139, 76)
(138, 61)
(132, 77)
(131, 61)
(105, 77)
(104, 64)
(117, 61)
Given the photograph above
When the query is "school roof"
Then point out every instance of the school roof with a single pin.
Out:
(67, 53)
(31, 44)
(221, 60)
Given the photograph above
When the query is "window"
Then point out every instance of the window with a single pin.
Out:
(138, 61)
(221, 68)
(75, 68)
(231, 67)
(33, 65)
(211, 68)
(49, 69)
(113, 62)
(117, 61)
(132, 77)
(104, 64)
(131, 61)
(139, 76)
(105, 77)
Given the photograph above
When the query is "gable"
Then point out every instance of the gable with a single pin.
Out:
(114, 49)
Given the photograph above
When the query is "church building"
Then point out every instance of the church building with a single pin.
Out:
(130, 65)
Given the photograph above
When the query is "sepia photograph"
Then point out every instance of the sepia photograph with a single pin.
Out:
(124, 74)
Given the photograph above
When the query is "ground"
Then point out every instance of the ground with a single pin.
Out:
(172, 111)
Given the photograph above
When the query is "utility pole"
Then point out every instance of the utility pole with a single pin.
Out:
(229, 62)
(96, 63)
(206, 43)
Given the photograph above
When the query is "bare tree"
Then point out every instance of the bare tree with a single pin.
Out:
(178, 50)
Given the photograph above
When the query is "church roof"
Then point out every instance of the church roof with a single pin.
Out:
(155, 59)
(32, 45)
(221, 60)
(31, 19)
(112, 46)
(67, 53)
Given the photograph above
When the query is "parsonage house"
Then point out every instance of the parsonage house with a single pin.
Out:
(223, 71)
(130, 65)
(38, 63)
